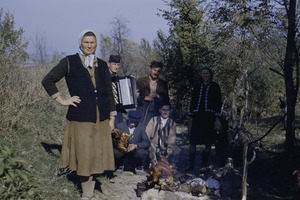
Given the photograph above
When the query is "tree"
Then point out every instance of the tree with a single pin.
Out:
(12, 51)
(244, 33)
(41, 55)
(291, 77)
(106, 46)
(133, 56)
(12, 47)
(12, 54)
(184, 51)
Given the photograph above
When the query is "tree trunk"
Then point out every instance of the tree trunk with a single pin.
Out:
(245, 172)
(246, 98)
(234, 109)
(291, 91)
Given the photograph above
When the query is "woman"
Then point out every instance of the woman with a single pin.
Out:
(87, 147)
(205, 109)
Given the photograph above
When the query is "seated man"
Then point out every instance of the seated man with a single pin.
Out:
(161, 130)
(137, 153)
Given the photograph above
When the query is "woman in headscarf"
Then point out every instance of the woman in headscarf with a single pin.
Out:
(87, 146)
(205, 111)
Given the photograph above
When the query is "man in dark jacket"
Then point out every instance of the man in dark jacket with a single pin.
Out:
(137, 153)
(152, 92)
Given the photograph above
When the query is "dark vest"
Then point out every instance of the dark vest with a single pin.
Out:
(80, 84)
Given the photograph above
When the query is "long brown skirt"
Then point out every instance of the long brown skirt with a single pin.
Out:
(87, 148)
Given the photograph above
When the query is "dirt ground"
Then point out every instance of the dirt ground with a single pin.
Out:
(123, 186)
(265, 180)
(120, 187)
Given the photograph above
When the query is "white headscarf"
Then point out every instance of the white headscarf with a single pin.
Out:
(89, 59)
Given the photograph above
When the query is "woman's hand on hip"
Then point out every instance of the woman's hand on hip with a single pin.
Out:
(69, 101)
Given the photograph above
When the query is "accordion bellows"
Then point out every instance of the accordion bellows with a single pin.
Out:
(127, 91)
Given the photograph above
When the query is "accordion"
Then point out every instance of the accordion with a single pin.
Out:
(127, 91)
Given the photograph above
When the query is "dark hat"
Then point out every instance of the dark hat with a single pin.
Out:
(114, 58)
(134, 115)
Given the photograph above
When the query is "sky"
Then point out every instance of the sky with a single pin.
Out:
(61, 21)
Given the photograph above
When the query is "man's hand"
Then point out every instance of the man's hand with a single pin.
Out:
(151, 97)
(132, 147)
(148, 98)
(150, 148)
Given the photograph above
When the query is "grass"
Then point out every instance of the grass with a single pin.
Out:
(41, 126)
(45, 128)
(34, 127)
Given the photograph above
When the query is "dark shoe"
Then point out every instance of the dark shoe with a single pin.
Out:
(139, 170)
(120, 169)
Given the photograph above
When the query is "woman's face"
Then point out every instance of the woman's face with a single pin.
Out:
(205, 74)
(88, 44)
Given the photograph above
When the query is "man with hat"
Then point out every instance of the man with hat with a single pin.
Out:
(114, 66)
(137, 153)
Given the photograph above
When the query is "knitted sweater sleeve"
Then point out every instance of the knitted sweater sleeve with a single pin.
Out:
(55, 75)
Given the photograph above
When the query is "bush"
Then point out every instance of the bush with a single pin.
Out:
(16, 182)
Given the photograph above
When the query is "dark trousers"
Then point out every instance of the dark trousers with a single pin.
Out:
(135, 158)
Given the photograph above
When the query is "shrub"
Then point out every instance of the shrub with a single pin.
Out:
(16, 182)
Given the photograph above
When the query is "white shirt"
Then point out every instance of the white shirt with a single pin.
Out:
(131, 130)
(163, 122)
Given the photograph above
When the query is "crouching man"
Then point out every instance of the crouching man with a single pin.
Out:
(161, 130)
(135, 158)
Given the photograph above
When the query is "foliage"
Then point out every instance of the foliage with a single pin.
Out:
(33, 123)
(16, 181)
(12, 53)
(133, 56)
(12, 48)
(239, 25)
(185, 51)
